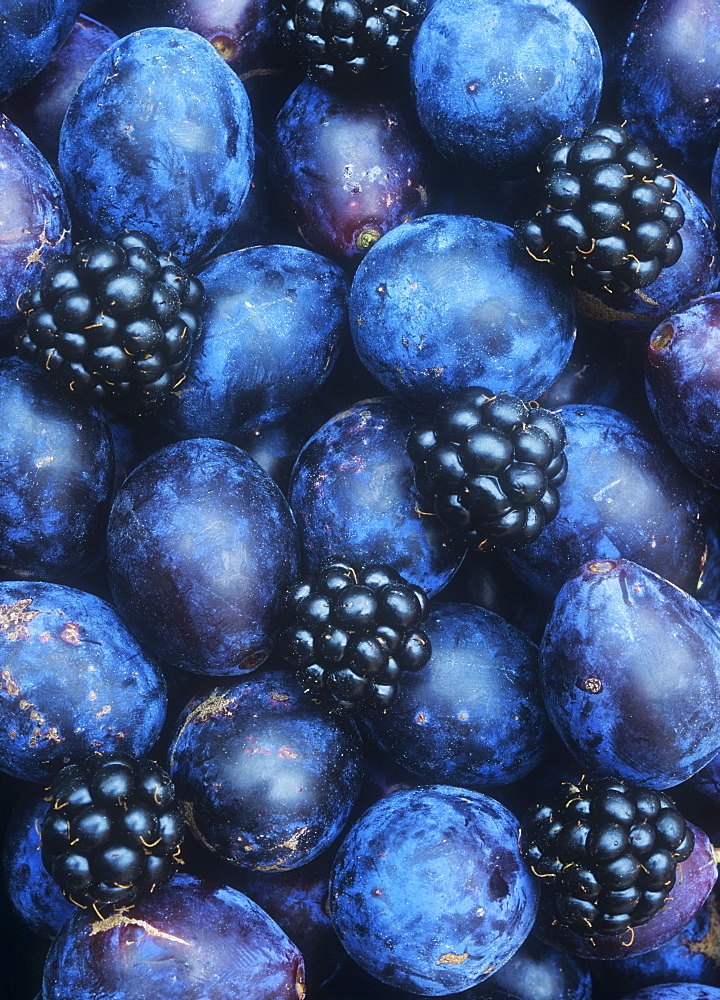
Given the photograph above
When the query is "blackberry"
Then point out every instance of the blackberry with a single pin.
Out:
(113, 829)
(607, 853)
(608, 215)
(115, 320)
(490, 466)
(351, 633)
(338, 41)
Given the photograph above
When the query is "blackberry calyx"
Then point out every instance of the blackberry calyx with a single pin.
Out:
(115, 320)
(607, 854)
(342, 41)
(113, 829)
(608, 214)
(489, 466)
(350, 633)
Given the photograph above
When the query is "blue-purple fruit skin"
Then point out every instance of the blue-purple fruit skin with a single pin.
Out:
(625, 495)
(696, 273)
(630, 674)
(348, 169)
(682, 379)
(272, 321)
(39, 107)
(73, 681)
(244, 32)
(495, 82)
(691, 956)
(192, 938)
(201, 545)
(30, 34)
(473, 716)
(34, 218)
(429, 892)
(676, 991)
(267, 777)
(353, 494)
(449, 301)
(158, 137)
(538, 972)
(33, 893)
(668, 85)
(56, 477)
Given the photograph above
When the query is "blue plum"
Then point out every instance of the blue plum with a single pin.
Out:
(276, 446)
(448, 301)
(192, 938)
(348, 169)
(73, 681)
(34, 218)
(56, 477)
(267, 778)
(473, 716)
(30, 34)
(676, 991)
(272, 318)
(625, 495)
(201, 545)
(244, 32)
(537, 972)
(158, 137)
(668, 80)
(630, 674)
(353, 494)
(496, 80)
(429, 892)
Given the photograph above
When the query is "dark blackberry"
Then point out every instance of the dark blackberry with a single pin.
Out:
(490, 466)
(112, 831)
(340, 41)
(607, 853)
(115, 320)
(608, 216)
(351, 633)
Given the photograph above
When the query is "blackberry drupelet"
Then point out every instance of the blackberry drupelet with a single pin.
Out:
(608, 214)
(351, 633)
(339, 41)
(490, 466)
(115, 320)
(607, 854)
(113, 829)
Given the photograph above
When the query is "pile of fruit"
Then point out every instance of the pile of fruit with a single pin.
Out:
(360, 499)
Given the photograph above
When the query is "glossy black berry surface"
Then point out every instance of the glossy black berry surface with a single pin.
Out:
(489, 466)
(114, 320)
(113, 829)
(608, 213)
(351, 632)
(607, 854)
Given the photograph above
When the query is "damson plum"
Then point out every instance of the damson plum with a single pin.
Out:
(192, 938)
(272, 320)
(34, 218)
(625, 495)
(445, 302)
(30, 34)
(56, 476)
(630, 674)
(352, 492)
(348, 169)
(73, 681)
(267, 778)
(537, 972)
(473, 716)
(201, 545)
(429, 892)
(158, 137)
(244, 32)
(676, 991)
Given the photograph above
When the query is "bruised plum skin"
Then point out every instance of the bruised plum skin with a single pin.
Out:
(30, 34)
(353, 494)
(158, 137)
(201, 545)
(625, 495)
(429, 892)
(73, 681)
(630, 674)
(192, 938)
(267, 778)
